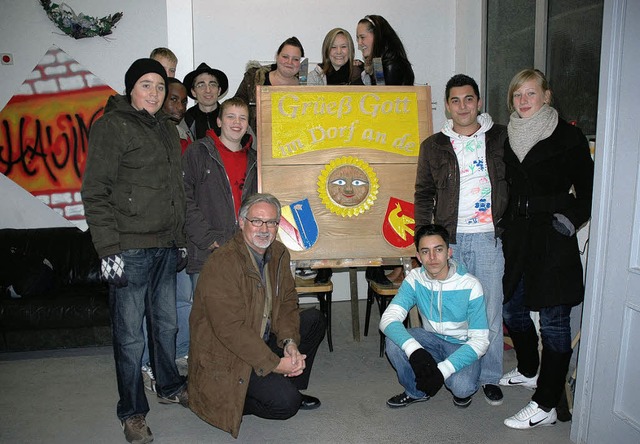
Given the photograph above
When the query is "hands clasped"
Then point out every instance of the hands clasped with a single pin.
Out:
(292, 363)
(429, 379)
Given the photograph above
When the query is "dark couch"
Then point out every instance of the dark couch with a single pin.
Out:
(63, 303)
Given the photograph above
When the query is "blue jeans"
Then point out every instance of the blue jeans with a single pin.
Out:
(462, 383)
(151, 291)
(481, 254)
(555, 329)
(184, 301)
(555, 322)
(194, 281)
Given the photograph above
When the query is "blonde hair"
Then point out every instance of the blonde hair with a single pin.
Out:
(521, 78)
(163, 52)
(327, 67)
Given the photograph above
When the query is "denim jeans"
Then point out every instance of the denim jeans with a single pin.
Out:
(555, 322)
(481, 254)
(462, 383)
(151, 291)
(194, 281)
(184, 301)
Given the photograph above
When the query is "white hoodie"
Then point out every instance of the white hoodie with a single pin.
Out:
(474, 208)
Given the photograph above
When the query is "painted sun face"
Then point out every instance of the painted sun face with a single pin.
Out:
(348, 185)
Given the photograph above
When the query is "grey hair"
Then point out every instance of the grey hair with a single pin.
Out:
(257, 198)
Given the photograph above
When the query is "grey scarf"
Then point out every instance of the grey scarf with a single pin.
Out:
(525, 132)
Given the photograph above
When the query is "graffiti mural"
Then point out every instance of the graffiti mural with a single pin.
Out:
(44, 131)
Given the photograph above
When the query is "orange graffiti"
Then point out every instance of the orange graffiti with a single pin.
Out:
(44, 138)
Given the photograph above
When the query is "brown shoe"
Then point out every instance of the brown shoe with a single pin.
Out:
(136, 430)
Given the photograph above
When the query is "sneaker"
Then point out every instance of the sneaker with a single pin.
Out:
(514, 377)
(531, 416)
(136, 430)
(463, 403)
(305, 277)
(182, 398)
(148, 379)
(492, 394)
(403, 400)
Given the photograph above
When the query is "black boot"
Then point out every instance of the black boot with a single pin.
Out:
(324, 276)
(552, 379)
(525, 344)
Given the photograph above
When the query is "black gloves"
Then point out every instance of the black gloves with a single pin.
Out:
(112, 270)
(429, 379)
(181, 262)
(563, 225)
(422, 364)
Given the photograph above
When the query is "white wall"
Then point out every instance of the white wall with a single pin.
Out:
(427, 28)
(441, 37)
(27, 33)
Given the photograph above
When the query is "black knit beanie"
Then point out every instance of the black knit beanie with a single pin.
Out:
(139, 68)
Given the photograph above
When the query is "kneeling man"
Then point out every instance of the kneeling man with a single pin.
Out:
(454, 335)
(252, 349)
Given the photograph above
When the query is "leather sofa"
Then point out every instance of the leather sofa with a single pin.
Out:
(51, 295)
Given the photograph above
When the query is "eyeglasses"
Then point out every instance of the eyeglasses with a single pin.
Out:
(203, 85)
(259, 222)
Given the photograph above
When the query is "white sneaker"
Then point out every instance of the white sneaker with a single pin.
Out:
(148, 378)
(514, 377)
(531, 416)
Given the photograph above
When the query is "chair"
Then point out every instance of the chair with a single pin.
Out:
(323, 292)
(382, 295)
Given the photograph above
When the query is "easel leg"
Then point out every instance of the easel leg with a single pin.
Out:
(355, 312)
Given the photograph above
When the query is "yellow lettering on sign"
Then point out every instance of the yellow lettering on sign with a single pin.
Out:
(304, 122)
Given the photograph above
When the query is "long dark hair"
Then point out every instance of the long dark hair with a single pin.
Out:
(386, 43)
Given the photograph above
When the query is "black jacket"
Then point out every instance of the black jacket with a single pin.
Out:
(132, 186)
(538, 188)
(397, 71)
(210, 208)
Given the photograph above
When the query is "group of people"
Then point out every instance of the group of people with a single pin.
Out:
(497, 209)
(198, 279)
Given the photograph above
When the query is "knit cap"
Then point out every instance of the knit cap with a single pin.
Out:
(139, 68)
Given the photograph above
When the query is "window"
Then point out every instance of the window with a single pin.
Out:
(567, 50)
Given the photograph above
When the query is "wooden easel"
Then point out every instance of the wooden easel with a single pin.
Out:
(303, 131)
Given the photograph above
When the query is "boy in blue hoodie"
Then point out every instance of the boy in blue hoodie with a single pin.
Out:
(454, 334)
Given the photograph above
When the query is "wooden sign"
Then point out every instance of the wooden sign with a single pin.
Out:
(342, 161)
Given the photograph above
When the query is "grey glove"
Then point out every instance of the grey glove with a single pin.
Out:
(112, 270)
(563, 225)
